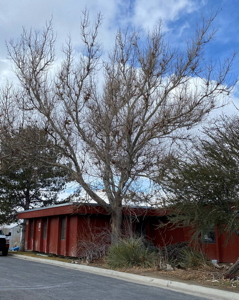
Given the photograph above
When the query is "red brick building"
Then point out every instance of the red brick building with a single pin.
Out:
(60, 229)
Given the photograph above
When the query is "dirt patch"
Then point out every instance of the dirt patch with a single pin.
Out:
(208, 276)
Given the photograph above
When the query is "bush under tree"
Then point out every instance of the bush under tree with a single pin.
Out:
(131, 252)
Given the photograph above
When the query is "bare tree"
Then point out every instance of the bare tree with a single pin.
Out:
(112, 119)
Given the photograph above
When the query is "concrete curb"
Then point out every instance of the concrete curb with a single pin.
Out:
(209, 293)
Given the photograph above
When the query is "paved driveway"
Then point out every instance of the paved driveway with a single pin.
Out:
(26, 280)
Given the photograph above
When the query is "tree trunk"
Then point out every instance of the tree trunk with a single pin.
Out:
(116, 222)
(26, 207)
(23, 238)
(232, 271)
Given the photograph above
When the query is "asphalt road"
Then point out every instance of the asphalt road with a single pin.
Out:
(26, 280)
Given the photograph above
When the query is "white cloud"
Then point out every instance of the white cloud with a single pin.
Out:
(148, 13)
(15, 14)
(6, 73)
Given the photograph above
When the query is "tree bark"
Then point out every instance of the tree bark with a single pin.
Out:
(116, 222)
(232, 271)
(23, 238)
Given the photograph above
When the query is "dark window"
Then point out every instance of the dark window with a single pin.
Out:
(140, 229)
(44, 228)
(209, 237)
(63, 228)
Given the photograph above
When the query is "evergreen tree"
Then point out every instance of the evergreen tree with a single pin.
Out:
(203, 188)
(26, 180)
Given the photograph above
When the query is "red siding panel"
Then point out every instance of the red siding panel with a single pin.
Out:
(89, 223)
(72, 236)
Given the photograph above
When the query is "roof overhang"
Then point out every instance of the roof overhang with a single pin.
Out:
(86, 209)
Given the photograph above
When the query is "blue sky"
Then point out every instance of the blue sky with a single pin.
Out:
(178, 18)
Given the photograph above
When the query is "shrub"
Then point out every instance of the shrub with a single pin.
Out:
(183, 256)
(131, 252)
(192, 258)
(172, 253)
(93, 243)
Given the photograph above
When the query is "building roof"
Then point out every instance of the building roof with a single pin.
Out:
(86, 208)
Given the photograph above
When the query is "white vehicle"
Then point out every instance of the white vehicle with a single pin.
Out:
(4, 243)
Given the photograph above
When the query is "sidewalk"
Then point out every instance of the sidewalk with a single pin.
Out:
(208, 293)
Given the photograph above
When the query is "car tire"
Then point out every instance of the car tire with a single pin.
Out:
(5, 252)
